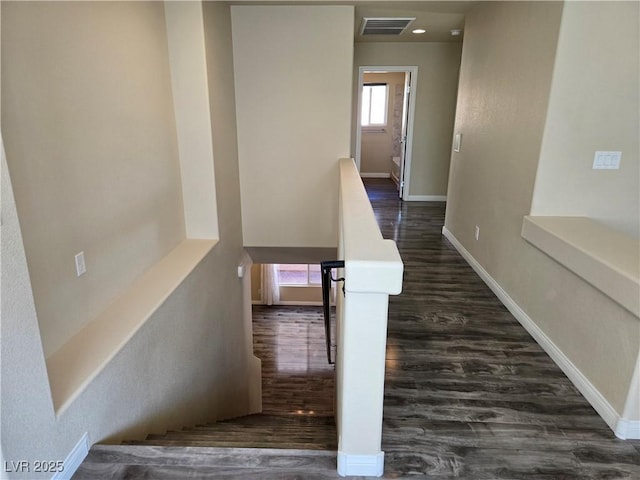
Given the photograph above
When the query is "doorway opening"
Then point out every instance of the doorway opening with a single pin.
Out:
(385, 114)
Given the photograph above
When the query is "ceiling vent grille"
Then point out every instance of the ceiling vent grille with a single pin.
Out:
(384, 26)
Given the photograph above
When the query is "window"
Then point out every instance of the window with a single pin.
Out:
(374, 104)
(301, 275)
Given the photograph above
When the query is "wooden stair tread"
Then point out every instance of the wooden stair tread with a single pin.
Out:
(283, 445)
(170, 462)
(265, 419)
(301, 432)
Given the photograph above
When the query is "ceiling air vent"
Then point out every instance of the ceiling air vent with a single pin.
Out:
(384, 26)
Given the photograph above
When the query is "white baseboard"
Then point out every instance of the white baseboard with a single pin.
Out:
(628, 429)
(425, 198)
(601, 405)
(374, 175)
(360, 465)
(74, 459)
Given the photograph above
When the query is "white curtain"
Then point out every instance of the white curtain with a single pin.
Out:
(270, 287)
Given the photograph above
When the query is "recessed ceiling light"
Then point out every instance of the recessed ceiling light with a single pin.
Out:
(455, 32)
(418, 30)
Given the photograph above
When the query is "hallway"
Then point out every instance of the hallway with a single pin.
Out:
(468, 392)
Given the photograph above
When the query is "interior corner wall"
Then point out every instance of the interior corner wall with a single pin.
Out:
(594, 105)
(229, 251)
(293, 100)
(505, 84)
(187, 58)
(438, 67)
(90, 138)
(188, 363)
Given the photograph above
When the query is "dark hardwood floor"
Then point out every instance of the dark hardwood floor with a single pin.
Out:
(468, 393)
(296, 377)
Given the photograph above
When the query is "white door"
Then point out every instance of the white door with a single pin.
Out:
(405, 128)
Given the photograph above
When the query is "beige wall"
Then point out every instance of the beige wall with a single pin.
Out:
(189, 362)
(438, 65)
(293, 103)
(377, 147)
(505, 85)
(593, 106)
(193, 123)
(87, 118)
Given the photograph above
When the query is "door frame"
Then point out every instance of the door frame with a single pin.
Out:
(413, 70)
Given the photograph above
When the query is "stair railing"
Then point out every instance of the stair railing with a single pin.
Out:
(326, 267)
(373, 269)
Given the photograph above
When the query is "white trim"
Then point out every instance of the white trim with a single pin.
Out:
(360, 465)
(628, 429)
(74, 459)
(425, 198)
(589, 391)
(374, 175)
(631, 428)
(413, 70)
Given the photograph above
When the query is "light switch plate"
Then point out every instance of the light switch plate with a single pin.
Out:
(81, 266)
(457, 142)
(607, 160)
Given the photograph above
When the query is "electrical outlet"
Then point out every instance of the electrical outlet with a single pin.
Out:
(476, 232)
(81, 267)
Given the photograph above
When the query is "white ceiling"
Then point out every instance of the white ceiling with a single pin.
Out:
(437, 17)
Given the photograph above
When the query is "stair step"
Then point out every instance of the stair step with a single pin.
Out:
(221, 443)
(275, 432)
(250, 435)
(158, 462)
(231, 426)
(265, 419)
(254, 431)
(228, 427)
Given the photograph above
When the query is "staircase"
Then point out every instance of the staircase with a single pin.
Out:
(253, 446)
(280, 444)
(302, 432)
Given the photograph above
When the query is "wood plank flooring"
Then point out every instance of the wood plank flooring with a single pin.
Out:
(468, 392)
(296, 377)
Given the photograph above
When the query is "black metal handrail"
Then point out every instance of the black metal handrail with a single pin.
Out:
(326, 268)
